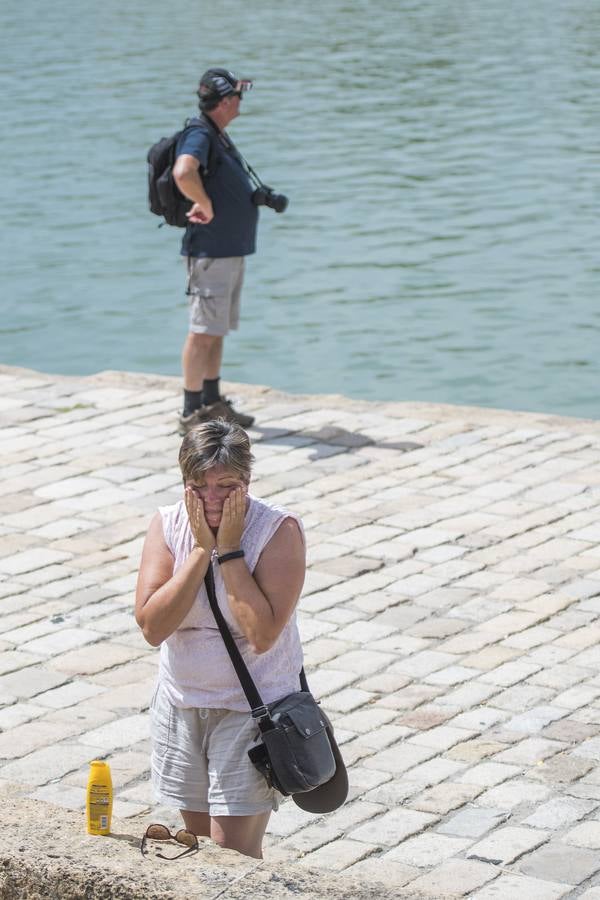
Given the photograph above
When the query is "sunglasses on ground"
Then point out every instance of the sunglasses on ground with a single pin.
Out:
(161, 833)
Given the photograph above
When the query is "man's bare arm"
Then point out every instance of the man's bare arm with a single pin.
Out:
(186, 173)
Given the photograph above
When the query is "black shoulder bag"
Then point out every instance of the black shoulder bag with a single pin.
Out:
(298, 754)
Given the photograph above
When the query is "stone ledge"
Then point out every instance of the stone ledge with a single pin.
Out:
(476, 416)
(46, 852)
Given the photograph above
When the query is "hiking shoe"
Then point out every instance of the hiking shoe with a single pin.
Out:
(194, 418)
(223, 409)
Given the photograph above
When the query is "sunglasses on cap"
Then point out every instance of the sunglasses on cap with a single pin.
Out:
(158, 832)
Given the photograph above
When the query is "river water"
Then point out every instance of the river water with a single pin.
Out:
(441, 160)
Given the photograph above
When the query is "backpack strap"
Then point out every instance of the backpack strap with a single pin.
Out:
(213, 154)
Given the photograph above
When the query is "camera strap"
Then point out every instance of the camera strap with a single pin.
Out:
(231, 148)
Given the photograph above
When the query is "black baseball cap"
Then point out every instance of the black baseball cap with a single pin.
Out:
(218, 83)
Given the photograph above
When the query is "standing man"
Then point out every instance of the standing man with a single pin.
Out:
(221, 232)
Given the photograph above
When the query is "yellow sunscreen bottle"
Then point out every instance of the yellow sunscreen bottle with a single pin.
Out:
(99, 798)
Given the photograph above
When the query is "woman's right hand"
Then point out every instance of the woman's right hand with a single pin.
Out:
(203, 536)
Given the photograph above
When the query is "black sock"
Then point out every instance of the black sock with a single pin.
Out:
(191, 400)
(210, 390)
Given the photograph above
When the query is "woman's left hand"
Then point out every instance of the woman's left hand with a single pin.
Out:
(231, 527)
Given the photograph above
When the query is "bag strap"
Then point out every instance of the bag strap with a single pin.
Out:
(258, 708)
(202, 124)
(250, 690)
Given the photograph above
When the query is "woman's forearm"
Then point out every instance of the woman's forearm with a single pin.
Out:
(250, 607)
(167, 607)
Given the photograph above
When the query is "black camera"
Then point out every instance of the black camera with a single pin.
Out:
(266, 196)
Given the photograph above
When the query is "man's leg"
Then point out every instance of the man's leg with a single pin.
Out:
(215, 287)
(201, 359)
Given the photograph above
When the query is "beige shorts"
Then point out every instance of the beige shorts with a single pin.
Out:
(200, 760)
(214, 287)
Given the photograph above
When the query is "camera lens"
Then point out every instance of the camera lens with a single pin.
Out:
(278, 202)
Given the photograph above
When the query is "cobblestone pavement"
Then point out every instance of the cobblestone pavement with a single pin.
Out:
(451, 618)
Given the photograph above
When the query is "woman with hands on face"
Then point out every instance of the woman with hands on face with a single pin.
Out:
(201, 725)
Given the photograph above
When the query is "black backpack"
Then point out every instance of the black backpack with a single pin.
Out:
(164, 197)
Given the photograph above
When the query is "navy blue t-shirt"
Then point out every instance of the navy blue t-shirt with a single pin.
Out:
(232, 231)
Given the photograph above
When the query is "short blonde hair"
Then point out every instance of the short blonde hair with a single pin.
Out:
(215, 443)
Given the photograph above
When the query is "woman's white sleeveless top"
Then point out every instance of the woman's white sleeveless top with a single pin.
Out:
(195, 668)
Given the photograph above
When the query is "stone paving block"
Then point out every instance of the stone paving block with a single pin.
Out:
(139, 793)
(337, 855)
(560, 812)
(15, 660)
(289, 818)
(380, 868)
(435, 770)
(385, 683)
(505, 845)
(362, 662)
(348, 699)
(536, 719)
(68, 695)
(49, 763)
(125, 766)
(509, 673)
(129, 673)
(454, 878)
(28, 682)
(580, 639)
(529, 751)
(351, 815)
(93, 659)
(468, 695)
(440, 738)
(365, 780)
(559, 862)
(473, 821)
(427, 849)
(61, 795)
(442, 798)
(43, 577)
(29, 560)
(382, 737)
(519, 590)
(409, 697)
(61, 640)
(391, 828)
(490, 657)
(18, 714)
(509, 623)
(474, 751)
(571, 729)
(399, 758)
(520, 886)
(585, 835)
(424, 663)
(366, 720)
(488, 774)
(425, 717)
(314, 836)
(479, 718)
(522, 697)
(513, 793)
(451, 675)
(121, 733)
(578, 696)
(588, 749)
